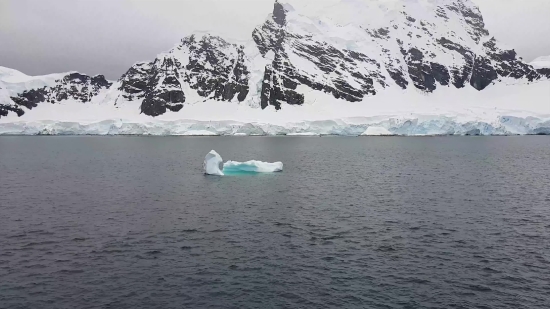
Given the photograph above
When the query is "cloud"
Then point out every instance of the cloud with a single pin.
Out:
(108, 36)
(520, 24)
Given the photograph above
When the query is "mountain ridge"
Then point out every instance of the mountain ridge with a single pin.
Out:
(425, 44)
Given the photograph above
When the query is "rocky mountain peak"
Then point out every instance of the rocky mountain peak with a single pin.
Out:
(350, 51)
(279, 14)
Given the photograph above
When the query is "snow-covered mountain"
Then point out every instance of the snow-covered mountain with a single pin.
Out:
(350, 52)
(20, 93)
(541, 62)
(200, 66)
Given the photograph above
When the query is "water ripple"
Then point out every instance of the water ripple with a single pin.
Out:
(351, 223)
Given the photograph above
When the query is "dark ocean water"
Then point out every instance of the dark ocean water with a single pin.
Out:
(131, 222)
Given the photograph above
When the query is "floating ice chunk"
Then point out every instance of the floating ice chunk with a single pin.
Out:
(252, 167)
(377, 131)
(213, 164)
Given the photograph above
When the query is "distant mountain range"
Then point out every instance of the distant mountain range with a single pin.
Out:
(352, 51)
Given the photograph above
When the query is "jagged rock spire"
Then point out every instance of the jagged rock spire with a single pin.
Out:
(279, 14)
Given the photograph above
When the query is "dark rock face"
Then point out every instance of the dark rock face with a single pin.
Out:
(338, 66)
(6, 106)
(6, 109)
(208, 65)
(352, 76)
(165, 92)
(134, 82)
(74, 86)
(279, 14)
(483, 73)
(507, 63)
(544, 72)
(32, 98)
(460, 74)
(498, 62)
(425, 74)
(213, 71)
(472, 16)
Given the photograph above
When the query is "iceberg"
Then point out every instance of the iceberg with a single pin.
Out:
(213, 163)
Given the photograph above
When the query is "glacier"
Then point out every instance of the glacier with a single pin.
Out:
(376, 131)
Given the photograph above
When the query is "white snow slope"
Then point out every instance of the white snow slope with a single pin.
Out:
(16, 82)
(541, 62)
(498, 110)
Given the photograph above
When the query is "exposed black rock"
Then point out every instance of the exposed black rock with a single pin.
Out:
(279, 14)
(473, 18)
(419, 71)
(506, 62)
(213, 73)
(460, 74)
(164, 90)
(5, 109)
(277, 88)
(133, 84)
(544, 72)
(282, 77)
(215, 69)
(32, 98)
(75, 86)
(483, 73)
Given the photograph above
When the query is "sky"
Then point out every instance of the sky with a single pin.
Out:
(108, 36)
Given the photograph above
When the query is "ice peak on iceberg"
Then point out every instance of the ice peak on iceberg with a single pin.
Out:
(213, 164)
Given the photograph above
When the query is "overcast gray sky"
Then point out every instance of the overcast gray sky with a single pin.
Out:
(108, 36)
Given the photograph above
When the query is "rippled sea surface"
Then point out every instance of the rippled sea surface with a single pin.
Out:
(131, 222)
